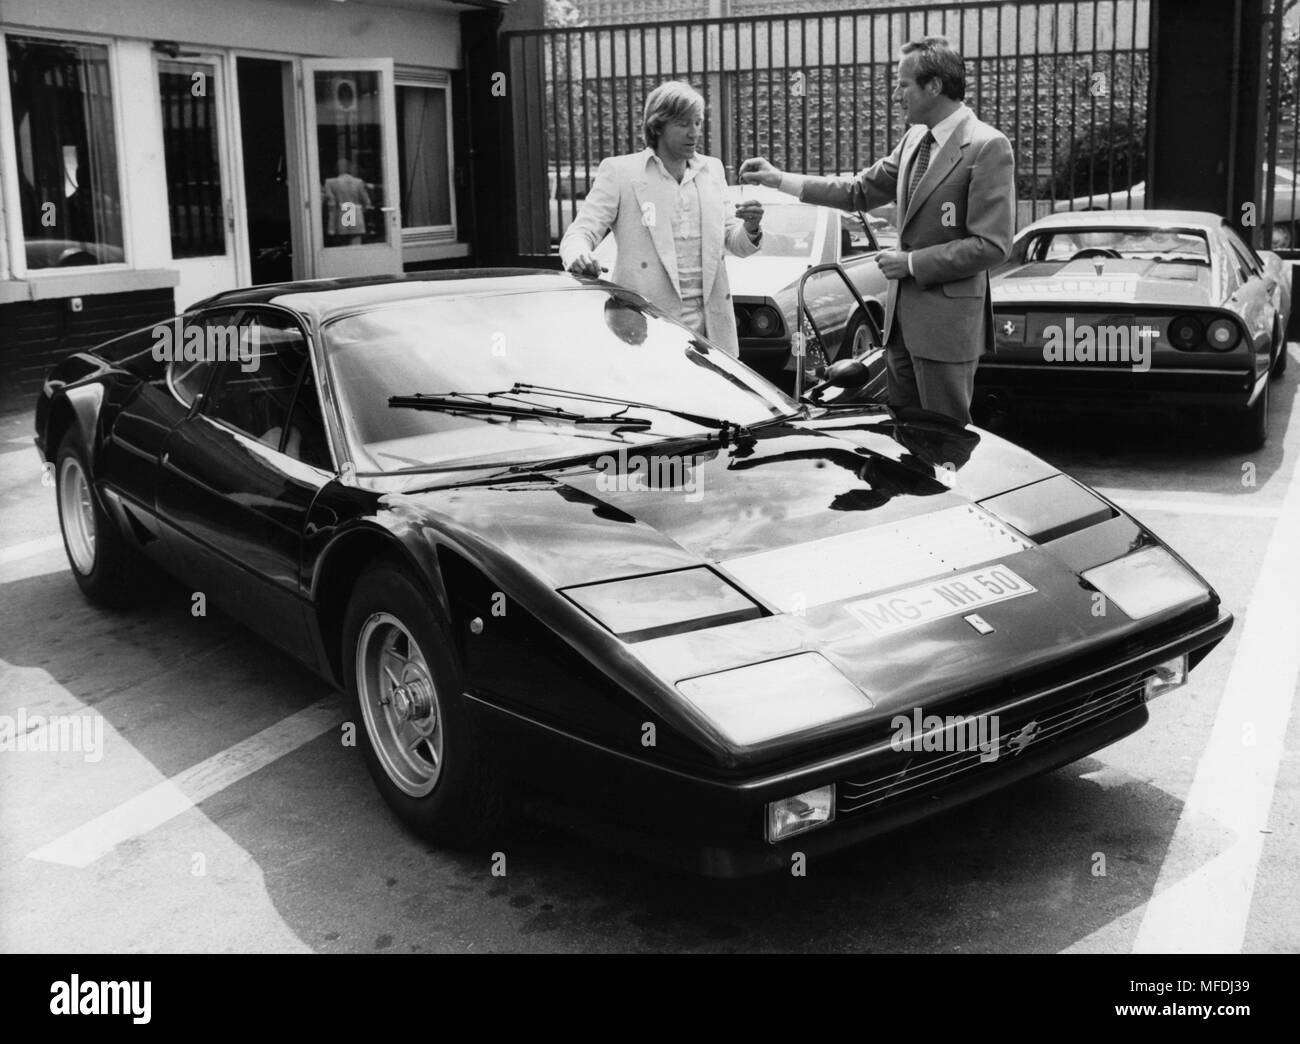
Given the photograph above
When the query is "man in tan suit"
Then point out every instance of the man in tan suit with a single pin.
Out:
(953, 179)
(666, 209)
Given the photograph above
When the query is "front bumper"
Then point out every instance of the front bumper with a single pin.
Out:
(714, 825)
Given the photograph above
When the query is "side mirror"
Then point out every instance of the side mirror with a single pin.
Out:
(845, 373)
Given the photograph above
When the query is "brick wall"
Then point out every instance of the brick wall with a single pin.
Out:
(36, 334)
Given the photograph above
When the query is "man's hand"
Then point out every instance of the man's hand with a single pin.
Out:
(758, 171)
(893, 263)
(585, 264)
(751, 213)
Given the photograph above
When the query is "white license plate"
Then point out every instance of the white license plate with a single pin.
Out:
(936, 599)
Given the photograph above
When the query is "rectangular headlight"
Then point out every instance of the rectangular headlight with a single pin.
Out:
(798, 814)
(644, 607)
(760, 703)
(1146, 582)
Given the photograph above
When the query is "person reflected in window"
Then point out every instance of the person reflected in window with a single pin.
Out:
(346, 202)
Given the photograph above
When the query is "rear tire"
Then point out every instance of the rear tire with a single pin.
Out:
(1252, 423)
(1279, 361)
(107, 569)
(421, 746)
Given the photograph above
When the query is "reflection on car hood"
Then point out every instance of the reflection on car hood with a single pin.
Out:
(758, 276)
(792, 484)
(1119, 281)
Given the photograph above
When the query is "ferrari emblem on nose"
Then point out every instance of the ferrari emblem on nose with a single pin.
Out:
(1008, 327)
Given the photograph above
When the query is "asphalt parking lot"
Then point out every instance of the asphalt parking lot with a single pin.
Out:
(227, 814)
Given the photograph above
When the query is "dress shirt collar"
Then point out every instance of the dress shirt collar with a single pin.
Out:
(943, 130)
(693, 165)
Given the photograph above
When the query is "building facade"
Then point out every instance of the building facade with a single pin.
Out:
(153, 152)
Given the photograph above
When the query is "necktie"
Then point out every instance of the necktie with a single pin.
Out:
(919, 163)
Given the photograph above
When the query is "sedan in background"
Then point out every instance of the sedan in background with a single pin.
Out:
(1164, 311)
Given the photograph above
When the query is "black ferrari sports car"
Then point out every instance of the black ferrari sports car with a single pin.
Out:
(558, 550)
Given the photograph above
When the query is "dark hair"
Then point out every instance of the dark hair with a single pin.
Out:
(935, 57)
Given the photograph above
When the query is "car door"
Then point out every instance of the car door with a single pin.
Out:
(858, 249)
(144, 412)
(239, 476)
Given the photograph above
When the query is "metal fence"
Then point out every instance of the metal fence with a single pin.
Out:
(1281, 188)
(1067, 81)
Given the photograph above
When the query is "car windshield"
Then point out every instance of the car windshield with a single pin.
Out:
(589, 341)
(1147, 244)
(788, 230)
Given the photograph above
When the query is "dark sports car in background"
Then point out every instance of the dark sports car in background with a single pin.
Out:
(1161, 311)
(556, 548)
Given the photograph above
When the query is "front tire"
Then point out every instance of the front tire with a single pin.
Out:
(857, 339)
(421, 747)
(107, 569)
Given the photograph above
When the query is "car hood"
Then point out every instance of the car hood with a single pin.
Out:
(679, 503)
(820, 524)
(1118, 282)
(758, 276)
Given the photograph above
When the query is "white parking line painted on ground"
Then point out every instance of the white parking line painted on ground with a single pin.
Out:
(30, 548)
(1204, 908)
(158, 804)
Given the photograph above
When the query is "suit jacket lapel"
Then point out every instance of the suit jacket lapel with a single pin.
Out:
(660, 223)
(905, 170)
(711, 232)
(941, 165)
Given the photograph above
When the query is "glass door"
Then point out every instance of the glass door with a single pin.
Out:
(352, 167)
(199, 202)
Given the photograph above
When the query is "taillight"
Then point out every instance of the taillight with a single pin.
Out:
(1186, 332)
(742, 321)
(765, 321)
(1223, 335)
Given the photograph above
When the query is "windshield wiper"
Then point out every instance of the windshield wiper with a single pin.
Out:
(459, 402)
(704, 420)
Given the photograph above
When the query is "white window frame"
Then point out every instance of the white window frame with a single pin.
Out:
(431, 242)
(13, 219)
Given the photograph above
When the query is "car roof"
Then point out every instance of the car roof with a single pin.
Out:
(1127, 219)
(322, 298)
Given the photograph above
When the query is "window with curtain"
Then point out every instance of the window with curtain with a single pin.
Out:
(66, 152)
(423, 155)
